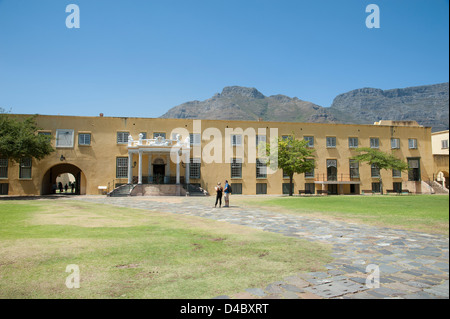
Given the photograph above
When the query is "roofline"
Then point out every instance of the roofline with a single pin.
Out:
(218, 120)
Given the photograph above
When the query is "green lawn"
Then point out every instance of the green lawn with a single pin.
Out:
(130, 253)
(429, 213)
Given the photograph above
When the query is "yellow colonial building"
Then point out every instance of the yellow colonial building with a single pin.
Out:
(162, 156)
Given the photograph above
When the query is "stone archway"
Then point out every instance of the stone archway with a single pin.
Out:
(49, 178)
(443, 178)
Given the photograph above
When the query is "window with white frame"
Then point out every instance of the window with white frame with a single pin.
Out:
(122, 137)
(196, 139)
(25, 168)
(354, 169)
(122, 167)
(444, 144)
(261, 169)
(353, 142)
(374, 142)
(412, 142)
(375, 171)
(310, 140)
(395, 143)
(331, 142)
(194, 168)
(84, 139)
(144, 135)
(260, 139)
(3, 168)
(396, 173)
(236, 168)
(236, 140)
(310, 174)
(64, 138)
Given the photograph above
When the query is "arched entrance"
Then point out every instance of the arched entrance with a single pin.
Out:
(443, 178)
(49, 179)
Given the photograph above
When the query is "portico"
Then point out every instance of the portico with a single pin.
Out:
(161, 153)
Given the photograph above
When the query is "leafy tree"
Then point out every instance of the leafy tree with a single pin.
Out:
(381, 160)
(294, 157)
(19, 138)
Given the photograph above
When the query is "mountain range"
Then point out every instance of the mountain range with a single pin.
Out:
(427, 104)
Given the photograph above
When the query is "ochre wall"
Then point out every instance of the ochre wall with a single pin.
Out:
(98, 161)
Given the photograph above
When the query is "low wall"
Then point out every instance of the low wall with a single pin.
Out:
(158, 190)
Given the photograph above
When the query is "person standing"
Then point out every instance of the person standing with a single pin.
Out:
(219, 192)
(227, 191)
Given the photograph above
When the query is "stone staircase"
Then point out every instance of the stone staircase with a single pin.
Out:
(122, 191)
(438, 188)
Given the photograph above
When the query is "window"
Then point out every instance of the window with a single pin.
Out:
(194, 168)
(64, 138)
(310, 174)
(144, 135)
(261, 188)
(237, 188)
(444, 144)
(261, 169)
(395, 143)
(396, 173)
(285, 137)
(3, 168)
(196, 139)
(122, 137)
(414, 169)
(375, 171)
(260, 139)
(4, 189)
(236, 168)
(376, 187)
(84, 139)
(285, 175)
(397, 187)
(25, 168)
(122, 167)
(286, 188)
(158, 134)
(310, 188)
(412, 142)
(236, 140)
(310, 140)
(353, 142)
(354, 169)
(331, 142)
(45, 133)
(374, 142)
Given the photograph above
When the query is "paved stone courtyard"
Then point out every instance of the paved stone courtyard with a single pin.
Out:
(412, 265)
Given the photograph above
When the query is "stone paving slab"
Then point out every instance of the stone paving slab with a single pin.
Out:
(412, 265)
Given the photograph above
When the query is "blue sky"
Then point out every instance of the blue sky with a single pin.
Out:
(142, 57)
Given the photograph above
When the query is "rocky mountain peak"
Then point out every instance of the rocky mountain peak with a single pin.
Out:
(233, 91)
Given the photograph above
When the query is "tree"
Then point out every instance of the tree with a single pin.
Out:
(294, 157)
(381, 160)
(19, 138)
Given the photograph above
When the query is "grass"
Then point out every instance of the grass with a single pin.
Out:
(425, 213)
(131, 253)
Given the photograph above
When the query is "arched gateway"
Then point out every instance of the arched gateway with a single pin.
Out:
(49, 178)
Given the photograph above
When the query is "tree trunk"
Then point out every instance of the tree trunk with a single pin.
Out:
(291, 177)
(381, 186)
